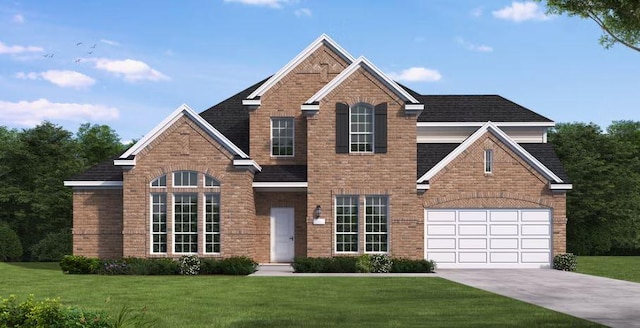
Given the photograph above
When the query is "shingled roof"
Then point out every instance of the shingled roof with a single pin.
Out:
(282, 173)
(104, 171)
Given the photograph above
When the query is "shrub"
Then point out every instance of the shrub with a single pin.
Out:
(311, 264)
(189, 265)
(74, 264)
(238, 265)
(53, 247)
(565, 262)
(47, 313)
(380, 263)
(363, 263)
(155, 267)
(402, 265)
(114, 267)
(10, 246)
(210, 266)
(342, 264)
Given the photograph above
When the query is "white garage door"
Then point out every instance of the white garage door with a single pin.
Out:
(488, 238)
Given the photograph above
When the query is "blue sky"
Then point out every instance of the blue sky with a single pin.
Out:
(128, 64)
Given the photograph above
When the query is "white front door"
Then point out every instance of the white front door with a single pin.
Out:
(282, 234)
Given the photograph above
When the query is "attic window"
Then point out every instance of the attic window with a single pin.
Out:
(488, 161)
(159, 182)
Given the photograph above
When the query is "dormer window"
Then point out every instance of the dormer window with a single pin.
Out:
(159, 182)
(185, 179)
(488, 161)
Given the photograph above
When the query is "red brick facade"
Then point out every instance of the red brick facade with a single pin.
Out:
(114, 223)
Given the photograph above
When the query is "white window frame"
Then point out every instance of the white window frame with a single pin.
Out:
(153, 233)
(159, 179)
(175, 233)
(367, 203)
(372, 111)
(205, 233)
(190, 185)
(357, 232)
(488, 161)
(207, 177)
(293, 136)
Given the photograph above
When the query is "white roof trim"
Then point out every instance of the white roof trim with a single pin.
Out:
(323, 39)
(490, 127)
(560, 186)
(93, 183)
(280, 184)
(455, 124)
(251, 102)
(183, 110)
(366, 64)
(124, 162)
(423, 186)
(248, 162)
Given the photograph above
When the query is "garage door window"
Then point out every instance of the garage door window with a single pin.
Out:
(376, 235)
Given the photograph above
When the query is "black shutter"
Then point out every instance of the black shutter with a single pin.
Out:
(380, 130)
(342, 128)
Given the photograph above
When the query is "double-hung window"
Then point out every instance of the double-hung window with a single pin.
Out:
(212, 223)
(346, 224)
(376, 228)
(361, 128)
(282, 136)
(159, 223)
(185, 223)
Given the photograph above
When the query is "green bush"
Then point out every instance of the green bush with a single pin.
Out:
(47, 313)
(210, 266)
(74, 264)
(381, 263)
(402, 265)
(238, 266)
(311, 264)
(342, 264)
(52, 247)
(154, 267)
(363, 264)
(115, 267)
(565, 262)
(189, 265)
(10, 245)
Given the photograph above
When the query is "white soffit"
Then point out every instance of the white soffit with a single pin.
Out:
(322, 39)
(503, 124)
(490, 127)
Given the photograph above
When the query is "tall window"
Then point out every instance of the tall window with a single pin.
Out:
(185, 179)
(376, 232)
(185, 219)
(159, 223)
(212, 223)
(361, 128)
(488, 160)
(346, 223)
(282, 136)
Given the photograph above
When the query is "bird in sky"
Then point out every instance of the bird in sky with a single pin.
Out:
(79, 43)
(93, 46)
(78, 60)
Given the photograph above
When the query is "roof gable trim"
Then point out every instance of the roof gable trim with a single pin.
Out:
(508, 141)
(322, 39)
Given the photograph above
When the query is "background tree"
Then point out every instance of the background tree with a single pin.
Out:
(619, 19)
(98, 142)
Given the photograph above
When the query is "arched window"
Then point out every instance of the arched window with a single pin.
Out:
(160, 181)
(210, 181)
(185, 179)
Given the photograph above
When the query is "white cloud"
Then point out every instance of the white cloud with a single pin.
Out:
(64, 79)
(129, 69)
(18, 19)
(303, 12)
(416, 74)
(31, 113)
(474, 47)
(261, 3)
(521, 11)
(14, 50)
(476, 12)
(110, 42)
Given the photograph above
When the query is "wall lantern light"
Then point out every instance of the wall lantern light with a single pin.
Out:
(317, 213)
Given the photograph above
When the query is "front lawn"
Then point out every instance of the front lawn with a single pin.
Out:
(226, 301)
(616, 267)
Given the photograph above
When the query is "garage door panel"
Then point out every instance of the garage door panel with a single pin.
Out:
(535, 243)
(504, 230)
(442, 257)
(504, 257)
(441, 230)
(489, 238)
(472, 230)
(472, 243)
(472, 257)
(504, 243)
(535, 230)
(473, 216)
(441, 243)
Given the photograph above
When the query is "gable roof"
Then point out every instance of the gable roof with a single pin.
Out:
(103, 171)
(321, 40)
(515, 147)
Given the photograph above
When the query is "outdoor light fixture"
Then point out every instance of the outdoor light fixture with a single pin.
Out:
(316, 215)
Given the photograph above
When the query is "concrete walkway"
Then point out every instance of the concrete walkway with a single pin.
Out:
(611, 302)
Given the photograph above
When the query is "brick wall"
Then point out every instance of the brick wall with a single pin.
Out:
(97, 223)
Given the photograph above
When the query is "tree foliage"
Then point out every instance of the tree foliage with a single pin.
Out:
(33, 165)
(604, 206)
(10, 246)
(619, 19)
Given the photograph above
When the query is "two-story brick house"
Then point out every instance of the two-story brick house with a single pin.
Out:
(331, 157)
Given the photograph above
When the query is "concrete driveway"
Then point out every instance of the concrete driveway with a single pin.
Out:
(611, 302)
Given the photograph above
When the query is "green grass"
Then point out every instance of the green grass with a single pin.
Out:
(616, 267)
(224, 301)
